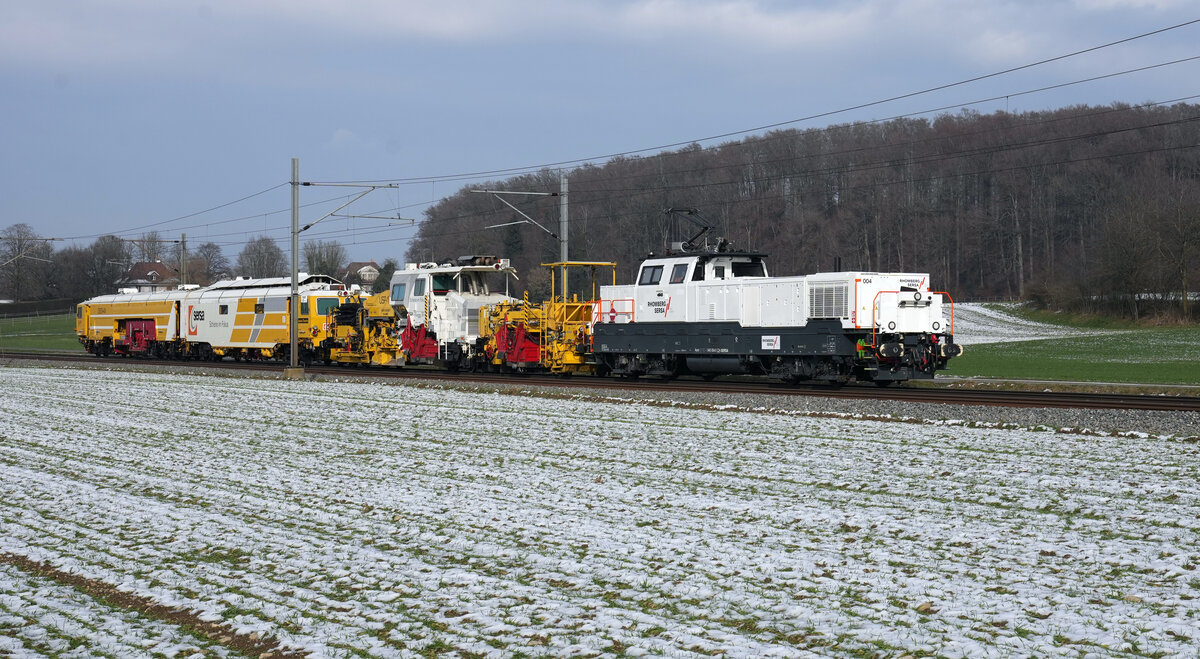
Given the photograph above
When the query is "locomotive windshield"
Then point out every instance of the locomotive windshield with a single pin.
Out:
(326, 305)
(443, 284)
(749, 269)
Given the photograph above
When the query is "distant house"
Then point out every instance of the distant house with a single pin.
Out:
(360, 272)
(149, 276)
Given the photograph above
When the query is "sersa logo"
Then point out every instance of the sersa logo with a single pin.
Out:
(194, 317)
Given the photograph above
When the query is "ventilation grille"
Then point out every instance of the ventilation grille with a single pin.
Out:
(827, 301)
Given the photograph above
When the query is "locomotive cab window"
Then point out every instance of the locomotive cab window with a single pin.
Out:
(718, 272)
(259, 307)
(678, 273)
(651, 275)
(419, 288)
(751, 269)
(223, 309)
(443, 284)
(398, 291)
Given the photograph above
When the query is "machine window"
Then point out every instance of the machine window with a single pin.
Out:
(678, 273)
(259, 307)
(651, 275)
(223, 309)
(398, 291)
(326, 305)
(419, 288)
(304, 308)
(718, 272)
(443, 284)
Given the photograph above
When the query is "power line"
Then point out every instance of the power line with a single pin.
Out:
(907, 181)
(820, 115)
(584, 190)
(189, 215)
(282, 227)
(434, 179)
(856, 168)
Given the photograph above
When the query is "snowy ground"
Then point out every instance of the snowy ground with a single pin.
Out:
(978, 323)
(385, 520)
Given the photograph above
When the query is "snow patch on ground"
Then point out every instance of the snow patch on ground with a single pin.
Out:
(976, 323)
(355, 518)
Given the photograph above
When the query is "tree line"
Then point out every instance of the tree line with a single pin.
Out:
(34, 270)
(1091, 208)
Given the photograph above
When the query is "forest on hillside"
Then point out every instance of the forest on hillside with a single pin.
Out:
(1094, 209)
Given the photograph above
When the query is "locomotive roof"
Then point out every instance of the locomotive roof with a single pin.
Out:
(702, 256)
(443, 268)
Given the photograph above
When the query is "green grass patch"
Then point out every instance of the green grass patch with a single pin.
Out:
(39, 333)
(1141, 356)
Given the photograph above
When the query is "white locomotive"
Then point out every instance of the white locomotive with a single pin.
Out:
(713, 312)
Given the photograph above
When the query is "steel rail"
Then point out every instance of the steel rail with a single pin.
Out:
(984, 397)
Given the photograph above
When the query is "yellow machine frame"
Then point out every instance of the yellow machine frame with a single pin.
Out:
(562, 327)
(370, 338)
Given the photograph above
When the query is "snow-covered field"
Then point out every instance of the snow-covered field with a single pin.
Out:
(976, 323)
(385, 520)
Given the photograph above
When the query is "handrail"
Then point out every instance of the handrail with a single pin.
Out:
(951, 308)
(612, 313)
(874, 313)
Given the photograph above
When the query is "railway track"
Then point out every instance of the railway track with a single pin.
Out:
(994, 398)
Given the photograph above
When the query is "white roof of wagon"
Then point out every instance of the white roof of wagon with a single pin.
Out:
(302, 279)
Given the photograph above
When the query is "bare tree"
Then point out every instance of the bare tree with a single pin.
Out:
(109, 260)
(69, 273)
(212, 263)
(324, 257)
(261, 258)
(25, 257)
(151, 247)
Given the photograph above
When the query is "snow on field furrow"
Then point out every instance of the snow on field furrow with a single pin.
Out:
(158, 576)
(210, 581)
(976, 323)
(670, 531)
(39, 616)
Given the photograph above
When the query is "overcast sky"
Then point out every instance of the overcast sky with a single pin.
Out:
(121, 116)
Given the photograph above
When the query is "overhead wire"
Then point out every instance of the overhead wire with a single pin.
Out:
(820, 115)
(859, 167)
(764, 139)
(184, 217)
(875, 164)
(662, 148)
